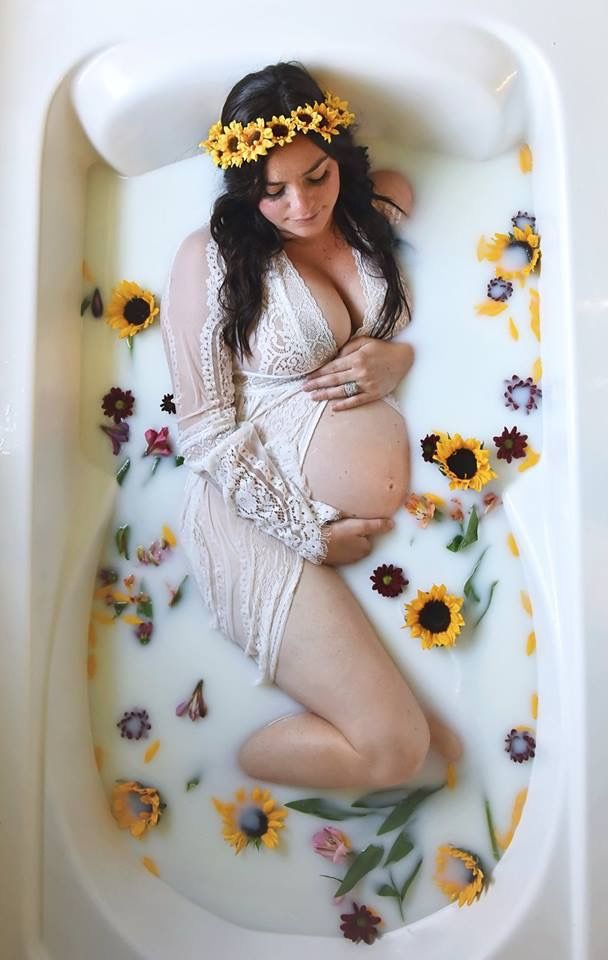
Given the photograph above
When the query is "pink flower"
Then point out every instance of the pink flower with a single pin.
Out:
(117, 434)
(490, 501)
(456, 512)
(331, 844)
(421, 507)
(159, 443)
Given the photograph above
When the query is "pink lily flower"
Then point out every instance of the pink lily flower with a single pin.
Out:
(159, 443)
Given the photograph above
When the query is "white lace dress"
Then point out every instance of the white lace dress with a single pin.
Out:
(248, 522)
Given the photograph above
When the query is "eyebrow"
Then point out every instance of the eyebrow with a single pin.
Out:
(277, 183)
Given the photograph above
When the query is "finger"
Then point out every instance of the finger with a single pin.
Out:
(345, 403)
(376, 525)
(351, 345)
(327, 375)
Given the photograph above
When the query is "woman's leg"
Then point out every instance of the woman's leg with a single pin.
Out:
(364, 728)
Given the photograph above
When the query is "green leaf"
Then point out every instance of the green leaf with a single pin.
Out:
(360, 867)
(144, 609)
(155, 466)
(130, 342)
(192, 783)
(470, 534)
(454, 545)
(400, 849)
(179, 461)
(84, 306)
(438, 515)
(122, 471)
(382, 798)
(404, 810)
(387, 891)
(491, 829)
(122, 538)
(178, 593)
(319, 807)
(469, 590)
(119, 607)
(477, 622)
(410, 880)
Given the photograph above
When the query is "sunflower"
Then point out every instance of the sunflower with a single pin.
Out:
(522, 238)
(283, 130)
(131, 309)
(330, 120)
(257, 138)
(435, 617)
(136, 807)
(470, 887)
(306, 118)
(251, 822)
(465, 462)
(345, 117)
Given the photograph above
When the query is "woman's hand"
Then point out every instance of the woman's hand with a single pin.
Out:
(350, 539)
(376, 365)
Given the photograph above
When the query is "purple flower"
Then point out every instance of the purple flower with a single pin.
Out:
(522, 219)
(195, 706)
(118, 434)
(520, 745)
(134, 724)
(159, 443)
(143, 631)
(519, 391)
(500, 289)
(107, 576)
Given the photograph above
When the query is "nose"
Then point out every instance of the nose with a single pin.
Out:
(301, 203)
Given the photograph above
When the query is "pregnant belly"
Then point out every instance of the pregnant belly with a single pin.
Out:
(358, 460)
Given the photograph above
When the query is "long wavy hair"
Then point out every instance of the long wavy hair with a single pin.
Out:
(247, 240)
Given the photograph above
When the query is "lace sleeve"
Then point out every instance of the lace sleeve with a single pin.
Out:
(228, 453)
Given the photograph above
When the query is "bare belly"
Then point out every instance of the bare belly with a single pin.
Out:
(358, 460)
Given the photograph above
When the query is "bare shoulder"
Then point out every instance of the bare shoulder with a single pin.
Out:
(396, 186)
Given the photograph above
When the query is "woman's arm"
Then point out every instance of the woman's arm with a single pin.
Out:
(392, 185)
(229, 453)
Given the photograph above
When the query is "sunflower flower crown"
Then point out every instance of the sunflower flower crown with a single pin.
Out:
(232, 145)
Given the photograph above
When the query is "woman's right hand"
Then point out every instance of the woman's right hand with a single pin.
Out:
(350, 539)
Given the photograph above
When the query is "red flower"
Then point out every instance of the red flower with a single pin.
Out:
(118, 404)
(429, 447)
(360, 925)
(388, 580)
(159, 443)
(167, 403)
(511, 444)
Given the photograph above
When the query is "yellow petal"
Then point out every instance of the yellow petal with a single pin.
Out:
(531, 644)
(532, 458)
(151, 751)
(151, 866)
(132, 618)
(535, 312)
(505, 839)
(525, 602)
(92, 635)
(91, 665)
(490, 308)
(534, 705)
(537, 370)
(102, 617)
(512, 545)
(86, 272)
(169, 536)
(121, 597)
(525, 158)
(451, 776)
(513, 331)
(98, 757)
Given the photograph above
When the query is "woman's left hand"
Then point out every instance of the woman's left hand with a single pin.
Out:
(376, 365)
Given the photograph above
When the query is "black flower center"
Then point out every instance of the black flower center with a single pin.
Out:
(435, 616)
(233, 143)
(253, 822)
(523, 247)
(137, 311)
(305, 117)
(463, 463)
(280, 130)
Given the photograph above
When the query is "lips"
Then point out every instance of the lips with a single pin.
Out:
(306, 219)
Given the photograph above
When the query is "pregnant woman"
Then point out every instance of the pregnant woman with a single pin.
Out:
(277, 322)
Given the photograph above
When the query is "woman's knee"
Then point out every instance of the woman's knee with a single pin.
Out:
(396, 753)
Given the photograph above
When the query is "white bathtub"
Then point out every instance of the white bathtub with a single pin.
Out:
(65, 892)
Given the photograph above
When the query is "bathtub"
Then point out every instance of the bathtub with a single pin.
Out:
(78, 82)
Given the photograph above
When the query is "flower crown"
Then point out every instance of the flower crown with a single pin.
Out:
(229, 146)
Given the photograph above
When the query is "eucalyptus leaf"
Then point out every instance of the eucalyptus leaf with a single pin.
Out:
(122, 471)
(319, 807)
(410, 880)
(469, 590)
(492, 586)
(404, 810)
(400, 849)
(363, 864)
(122, 538)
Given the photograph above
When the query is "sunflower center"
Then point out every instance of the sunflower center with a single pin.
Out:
(253, 822)
(463, 463)
(137, 311)
(518, 253)
(435, 616)
(280, 130)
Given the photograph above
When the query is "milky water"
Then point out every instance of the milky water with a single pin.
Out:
(483, 686)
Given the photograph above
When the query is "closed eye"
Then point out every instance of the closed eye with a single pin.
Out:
(279, 193)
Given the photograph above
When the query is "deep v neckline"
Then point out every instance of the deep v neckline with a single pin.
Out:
(356, 255)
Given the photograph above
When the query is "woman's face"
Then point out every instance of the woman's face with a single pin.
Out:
(302, 186)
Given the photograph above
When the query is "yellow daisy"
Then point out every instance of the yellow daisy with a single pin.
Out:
(283, 130)
(435, 617)
(466, 888)
(136, 807)
(251, 821)
(465, 462)
(257, 138)
(131, 309)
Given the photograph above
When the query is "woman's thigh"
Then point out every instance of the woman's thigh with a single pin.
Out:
(332, 661)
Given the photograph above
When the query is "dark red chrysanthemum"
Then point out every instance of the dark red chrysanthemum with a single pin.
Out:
(510, 444)
(429, 447)
(134, 724)
(520, 745)
(167, 403)
(107, 576)
(118, 404)
(360, 925)
(521, 391)
(388, 580)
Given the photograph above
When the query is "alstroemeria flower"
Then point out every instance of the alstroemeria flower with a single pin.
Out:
(159, 443)
(118, 434)
(332, 844)
(195, 706)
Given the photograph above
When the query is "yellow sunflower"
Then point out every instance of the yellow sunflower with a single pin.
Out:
(135, 807)
(465, 462)
(306, 118)
(341, 107)
(523, 238)
(435, 617)
(252, 821)
(257, 138)
(283, 130)
(131, 309)
(330, 120)
(467, 888)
